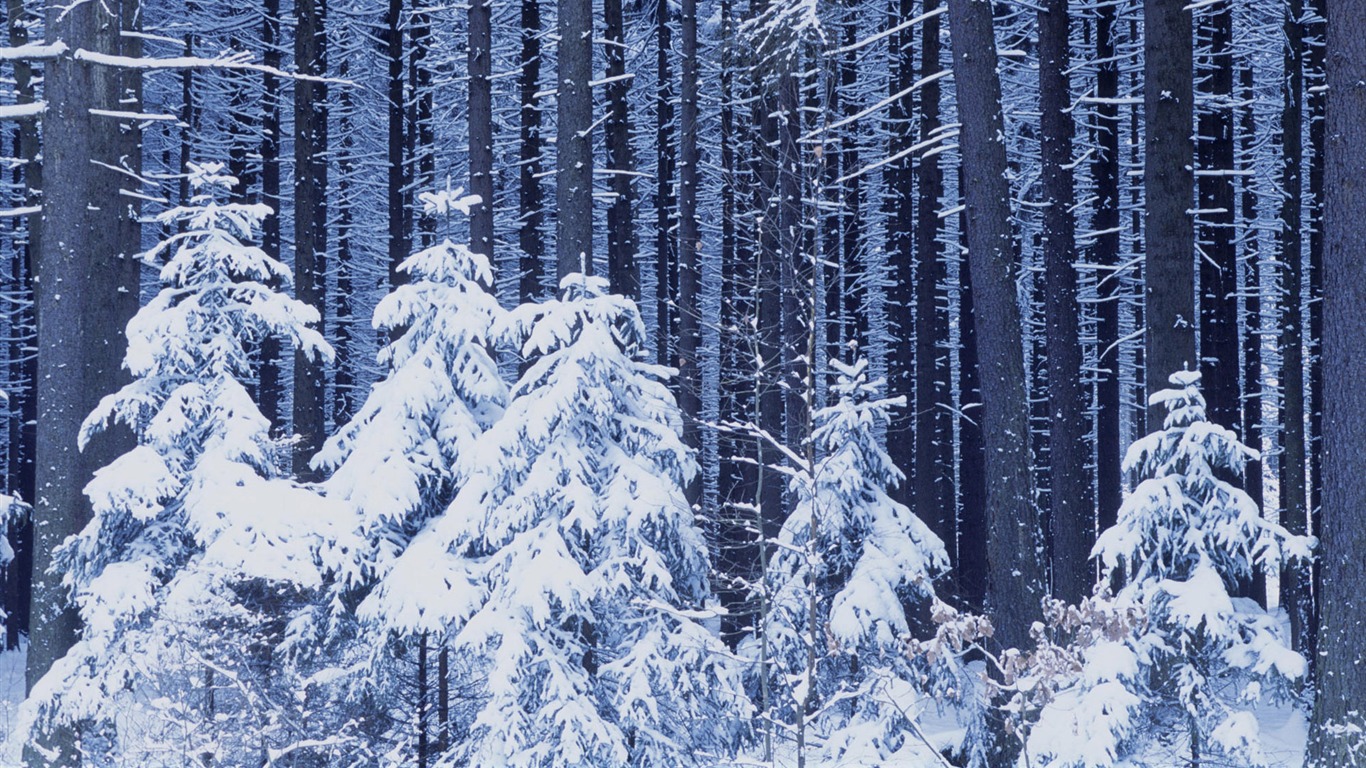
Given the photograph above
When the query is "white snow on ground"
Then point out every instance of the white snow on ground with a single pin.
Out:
(1283, 733)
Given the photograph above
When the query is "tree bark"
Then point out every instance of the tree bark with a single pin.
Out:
(1295, 589)
(480, 63)
(400, 229)
(574, 146)
(621, 240)
(689, 241)
(86, 291)
(1341, 680)
(529, 193)
(930, 472)
(1016, 578)
(1169, 285)
(310, 220)
(1109, 293)
(1217, 235)
(1071, 523)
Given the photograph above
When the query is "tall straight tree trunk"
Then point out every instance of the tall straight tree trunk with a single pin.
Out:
(1295, 589)
(310, 219)
(1251, 290)
(421, 139)
(1316, 98)
(271, 391)
(899, 202)
(574, 141)
(666, 201)
(933, 441)
(1217, 236)
(480, 65)
(796, 279)
(397, 176)
(1169, 279)
(1016, 578)
(346, 332)
(87, 289)
(621, 240)
(1109, 411)
(689, 241)
(1335, 732)
(529, 192)
(1071, 523)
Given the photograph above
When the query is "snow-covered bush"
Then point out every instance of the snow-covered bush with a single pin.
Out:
(571, 566)
(1201, 659)
(847, 565)
(201, 554)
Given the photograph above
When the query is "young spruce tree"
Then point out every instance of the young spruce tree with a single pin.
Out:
(847, 564)
(585, 576)
(201, 547)
(1199, 659)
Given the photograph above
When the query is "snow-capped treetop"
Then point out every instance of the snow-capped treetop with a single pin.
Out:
(405, 453)
(1183, 513)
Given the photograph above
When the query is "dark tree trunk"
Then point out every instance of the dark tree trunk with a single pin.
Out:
(1250, 289)
(1217, 235)
(689, 241)
(930, 491)
(1071, 522)
(1169, 281)
(345, 333)
(1109, 287)
(480, 61)
(908, 326)
(666, 203)
(970, 544)
(1334, 736)
(1295, 589)
(621, 239)
(530, 195)
(574, 140)
(87, 289)
(397, 177)
(271, 392)
(1315, 66)
(737, 556)
(1016, 579)
(310, 220)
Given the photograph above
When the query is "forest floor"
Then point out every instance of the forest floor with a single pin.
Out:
(1283, 734)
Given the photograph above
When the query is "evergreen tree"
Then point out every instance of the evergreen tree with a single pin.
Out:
(1185, 538)
(574, 572)
(848, 561)
(201, 548)
(401, 459)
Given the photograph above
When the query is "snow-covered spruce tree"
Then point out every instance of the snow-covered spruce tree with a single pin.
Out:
(572, 566)
(1201, 659)
(201, 551)
(409, 448)
(399, 462)
(847, 565)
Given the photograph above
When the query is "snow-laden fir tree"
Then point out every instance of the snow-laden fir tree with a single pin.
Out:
(1201, 659)
(575, 575)
(200, 548)
(398, 463)
(848, 564)
(414, 442)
